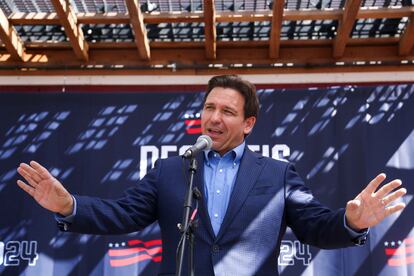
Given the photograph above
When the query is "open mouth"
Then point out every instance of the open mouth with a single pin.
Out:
(214, 132)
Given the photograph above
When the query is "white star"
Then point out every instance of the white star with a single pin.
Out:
(392, 243)
(110, 244)
(399, 242)
(117, 245)
(123, 244)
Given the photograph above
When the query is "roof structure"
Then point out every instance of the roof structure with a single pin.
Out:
(205, 36)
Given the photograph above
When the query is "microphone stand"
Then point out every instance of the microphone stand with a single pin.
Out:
(188, 225)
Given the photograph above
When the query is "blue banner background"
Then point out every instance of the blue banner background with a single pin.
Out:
(99, 144)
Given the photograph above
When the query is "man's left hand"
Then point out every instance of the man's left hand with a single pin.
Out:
(370, 207)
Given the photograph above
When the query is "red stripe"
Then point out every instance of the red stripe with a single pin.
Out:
(129, 251)
(401, 261)
(193, 130)
(409, 240)
(146, 244)
(152, 243)
(399, 251)
(135, 259)
(157, 259)
(192, 122)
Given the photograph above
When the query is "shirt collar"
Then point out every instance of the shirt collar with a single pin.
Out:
(237, 153)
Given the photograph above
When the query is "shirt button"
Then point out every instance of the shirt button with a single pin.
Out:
(218, 191)
(216, 215)
(63, 226)
(221, 170)
(215, 248)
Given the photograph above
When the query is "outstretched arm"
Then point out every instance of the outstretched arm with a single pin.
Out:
(45, 189)
(371, 206)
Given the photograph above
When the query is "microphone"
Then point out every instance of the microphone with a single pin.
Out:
(204, 142)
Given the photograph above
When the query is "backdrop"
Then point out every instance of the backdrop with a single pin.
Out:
(99, 144)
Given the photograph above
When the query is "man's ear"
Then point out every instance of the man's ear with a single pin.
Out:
(249, 124)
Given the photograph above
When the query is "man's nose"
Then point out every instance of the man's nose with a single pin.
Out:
(216, 116)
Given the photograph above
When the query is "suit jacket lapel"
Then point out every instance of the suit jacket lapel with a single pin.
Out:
(249, 170)
(202, 204)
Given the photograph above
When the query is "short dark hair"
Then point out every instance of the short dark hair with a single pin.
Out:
(245, 88)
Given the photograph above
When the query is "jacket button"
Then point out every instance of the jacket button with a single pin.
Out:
(215, 248)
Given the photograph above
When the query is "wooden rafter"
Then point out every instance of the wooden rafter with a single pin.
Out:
(137, 23)
(174, 17)
(73, 31)
(274, 43)
(345, 26)
(20, 18)
(309, 54)
(210, 29)
(372, 42)
(10, 38)
(300, 57)
(407, 40)
(34, 18)
(380, 13)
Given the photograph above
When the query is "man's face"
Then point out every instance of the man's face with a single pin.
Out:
(223, 119)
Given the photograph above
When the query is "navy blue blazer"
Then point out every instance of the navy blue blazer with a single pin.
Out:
(268, 196)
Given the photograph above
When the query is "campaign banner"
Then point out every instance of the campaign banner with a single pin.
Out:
(338, 136)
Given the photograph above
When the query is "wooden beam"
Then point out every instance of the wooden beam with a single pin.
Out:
(34, 18)
(137, 24)
(277, 17)
(173, 17)
(210, 29)
(47, 45)
(380, 13)
(119, 46)
(373, 41)
(318, 55)
(243, 16)
(10, 38)
(73, 31)
(345, 26)
(20, 18)
(364, 13)
(43, 18)
(407, 39)
(103, 18)
(207, 71)
(291, 15)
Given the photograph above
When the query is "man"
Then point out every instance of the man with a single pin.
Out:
(248, 200)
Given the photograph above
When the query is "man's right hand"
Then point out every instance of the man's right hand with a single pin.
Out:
(45, 189)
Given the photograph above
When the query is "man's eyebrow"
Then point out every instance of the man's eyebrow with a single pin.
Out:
(226, 108)
(230, 109)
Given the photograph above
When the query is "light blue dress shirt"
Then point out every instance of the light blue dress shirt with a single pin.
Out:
(219, 177)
